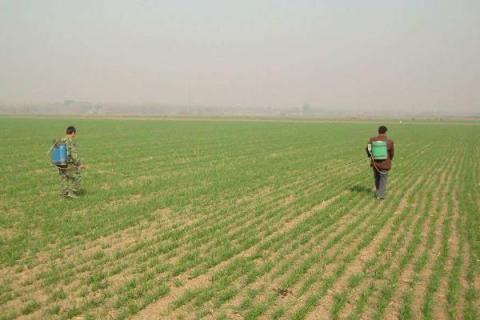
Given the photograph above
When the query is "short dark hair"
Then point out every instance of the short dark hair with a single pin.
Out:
(382, 129)
(71, 130)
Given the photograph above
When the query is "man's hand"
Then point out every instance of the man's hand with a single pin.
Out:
(82, 166)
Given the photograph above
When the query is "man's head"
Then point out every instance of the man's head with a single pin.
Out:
(71, 131)
(382, 130)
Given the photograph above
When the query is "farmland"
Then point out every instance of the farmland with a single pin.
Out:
(230, 219)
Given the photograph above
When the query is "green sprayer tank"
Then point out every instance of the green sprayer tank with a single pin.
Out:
(379, 150)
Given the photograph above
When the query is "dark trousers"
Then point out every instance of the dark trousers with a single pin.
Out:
(380, 182)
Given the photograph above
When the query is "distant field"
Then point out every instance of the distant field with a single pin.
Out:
(222, 219)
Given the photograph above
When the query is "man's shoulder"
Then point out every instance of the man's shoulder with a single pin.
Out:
(68, 141)
(378, 138)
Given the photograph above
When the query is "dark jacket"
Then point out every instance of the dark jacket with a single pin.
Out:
(386, 164)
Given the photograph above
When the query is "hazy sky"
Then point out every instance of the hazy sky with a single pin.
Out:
(356, 55)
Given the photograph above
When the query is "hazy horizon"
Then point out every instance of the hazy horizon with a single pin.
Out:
(358, 56)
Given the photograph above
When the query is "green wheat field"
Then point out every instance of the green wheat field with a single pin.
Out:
(240, 219)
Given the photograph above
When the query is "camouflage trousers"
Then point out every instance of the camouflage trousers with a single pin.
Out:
(70, 179)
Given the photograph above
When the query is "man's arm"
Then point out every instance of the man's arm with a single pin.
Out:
(391, 152)
(366, 148)
(74, 155)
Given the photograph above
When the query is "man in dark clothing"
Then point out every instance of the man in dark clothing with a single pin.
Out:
(383, 165)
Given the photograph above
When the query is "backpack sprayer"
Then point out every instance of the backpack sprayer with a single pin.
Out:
(378, 151)
(59, 154)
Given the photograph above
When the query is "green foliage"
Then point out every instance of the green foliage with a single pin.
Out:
(229, 218)
(30, 307)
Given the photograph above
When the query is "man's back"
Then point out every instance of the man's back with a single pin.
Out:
(387, 163)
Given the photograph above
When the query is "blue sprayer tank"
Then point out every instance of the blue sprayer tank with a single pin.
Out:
(59, 154)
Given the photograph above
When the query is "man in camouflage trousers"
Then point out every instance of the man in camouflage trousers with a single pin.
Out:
(70, 176)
